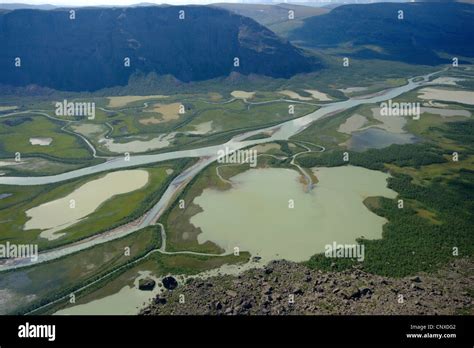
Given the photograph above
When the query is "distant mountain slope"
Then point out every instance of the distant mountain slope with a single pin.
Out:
(275, 16)
(374, 31)
(88, 53)
(16, 6)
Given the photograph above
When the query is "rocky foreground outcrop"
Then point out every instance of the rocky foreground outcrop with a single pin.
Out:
(270, 291)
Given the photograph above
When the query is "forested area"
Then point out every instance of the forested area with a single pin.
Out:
(413, 155)
(412, 242)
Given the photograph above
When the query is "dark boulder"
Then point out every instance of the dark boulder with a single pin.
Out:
(146, 284)
(170, 283)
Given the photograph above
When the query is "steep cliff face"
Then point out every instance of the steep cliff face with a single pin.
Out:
(90, 51)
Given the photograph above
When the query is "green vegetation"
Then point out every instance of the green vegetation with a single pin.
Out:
(105, 267)
(239, 114)
(194, 264)
(48, 281)
(435, 224)
(158, 265)
(258, 136)
(226, 119)
(115, 212)
(461, 132)
(234, 117)
(437, 216)
(16, 131)
(37, 166)
(181, 234)
(414, 155)
(324, 132)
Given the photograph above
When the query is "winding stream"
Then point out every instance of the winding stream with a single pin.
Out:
(207, 155)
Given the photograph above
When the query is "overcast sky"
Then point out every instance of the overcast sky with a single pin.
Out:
(110, 2)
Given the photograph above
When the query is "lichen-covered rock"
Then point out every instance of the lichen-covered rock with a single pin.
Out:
(352, 291)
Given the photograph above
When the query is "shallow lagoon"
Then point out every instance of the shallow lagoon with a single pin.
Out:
(376, 138)
(137, 145)
(127, 301)
(254, 214)
(5, 195)
(56, 215)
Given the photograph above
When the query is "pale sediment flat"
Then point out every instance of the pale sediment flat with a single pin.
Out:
(201, 128)
(117, 102)
(318, 95)
(89, 129)
(34, 164)
(6, 163)
(242, 94)
(150, 120)
(41, 141)
(56, 215)
(294, 95)
(214, 96)
(8, 108)
(458, 96)
(445, 80)
(169, 112)
(352, 124)
(392, 124)
(133, 146)
(350, 90)
(431, 103)
(396, 124)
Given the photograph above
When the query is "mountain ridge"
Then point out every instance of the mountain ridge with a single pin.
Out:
(89, 52)
(374, 31)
